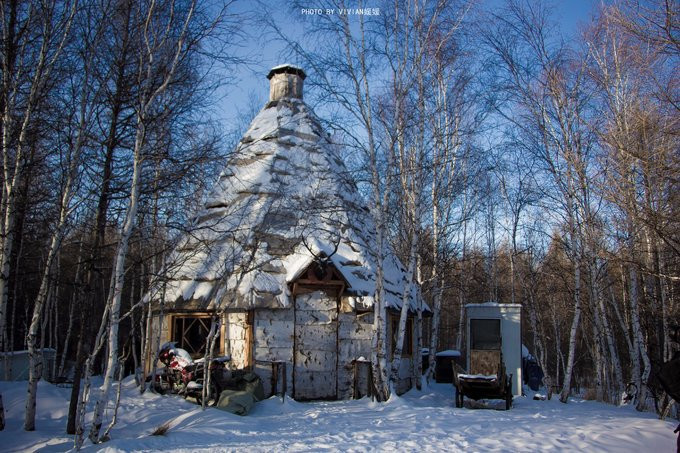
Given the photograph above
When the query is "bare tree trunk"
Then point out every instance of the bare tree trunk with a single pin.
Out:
(638, 340)
(623, 323)
(213, 335)
(114, 417)
(566, 385)
(147, 337)
(434, 337)
(133, 328)
(155, 46)
(616, 389)
(559, 357)
(379, 338)
(116, 289)
(34, 357)
(418, 329)
(462, 293)
(597, 357)
(69, 329)
(35, 361)
(89, 364)
(405, 306)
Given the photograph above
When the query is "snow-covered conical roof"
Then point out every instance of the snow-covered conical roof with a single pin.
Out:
(284, 197)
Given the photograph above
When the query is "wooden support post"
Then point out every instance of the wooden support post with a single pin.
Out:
(355, 390)
(275, 375)
(283, 390)
(279, 367)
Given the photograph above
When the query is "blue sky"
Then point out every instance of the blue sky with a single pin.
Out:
(251, 88)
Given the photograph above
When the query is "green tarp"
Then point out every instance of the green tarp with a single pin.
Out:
(243, 391)
(237, 402)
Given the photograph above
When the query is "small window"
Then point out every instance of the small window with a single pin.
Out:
(190, 333)
(485, 334)
(407, 351)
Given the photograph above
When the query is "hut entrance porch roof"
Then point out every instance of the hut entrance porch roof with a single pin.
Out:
(319, 275)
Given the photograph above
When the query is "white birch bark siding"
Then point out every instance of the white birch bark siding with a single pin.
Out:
(273, 341)
(315, 374)
(325, 343)
(236, 338)
(355, 332)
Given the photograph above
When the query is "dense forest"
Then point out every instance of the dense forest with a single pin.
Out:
(501, 160)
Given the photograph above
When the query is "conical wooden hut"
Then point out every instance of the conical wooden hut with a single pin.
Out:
(283, 253)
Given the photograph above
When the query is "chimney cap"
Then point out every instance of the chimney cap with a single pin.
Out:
(287, 69)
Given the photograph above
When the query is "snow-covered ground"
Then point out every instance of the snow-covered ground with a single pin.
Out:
(417, 421)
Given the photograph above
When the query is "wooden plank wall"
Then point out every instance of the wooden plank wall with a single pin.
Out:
(323, 340)
(354, 338)
(406, 378)
(316, 346)
(273, 341)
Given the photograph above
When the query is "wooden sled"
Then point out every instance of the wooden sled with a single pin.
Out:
(486, 380)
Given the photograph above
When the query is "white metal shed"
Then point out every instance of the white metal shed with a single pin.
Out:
(491, 323)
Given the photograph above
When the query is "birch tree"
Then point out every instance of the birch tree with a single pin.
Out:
(421, 52)
(115, 70)
(633, 135)
(86, 100)
(538, 79)
(34, 35)
(165, 42)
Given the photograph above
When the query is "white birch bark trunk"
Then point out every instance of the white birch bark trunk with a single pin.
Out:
(597, 356)
(116, 290)
(624, 323)
(379, 359)
(463, 286)
(147, 337)
(638, 340)
(35, 360)
(116, 406)
(211, 341)
(13, 171)
(434, 337)
(566, 386)
(157, 338)
(667, 347)
(405, 305)
(133, 328)
(418, 329)
(559, 357)
(147, 99)
(616, 388)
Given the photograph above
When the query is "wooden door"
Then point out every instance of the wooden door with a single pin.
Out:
(315, 373)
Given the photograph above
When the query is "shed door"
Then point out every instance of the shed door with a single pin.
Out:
(316, 347)
(485, 346)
